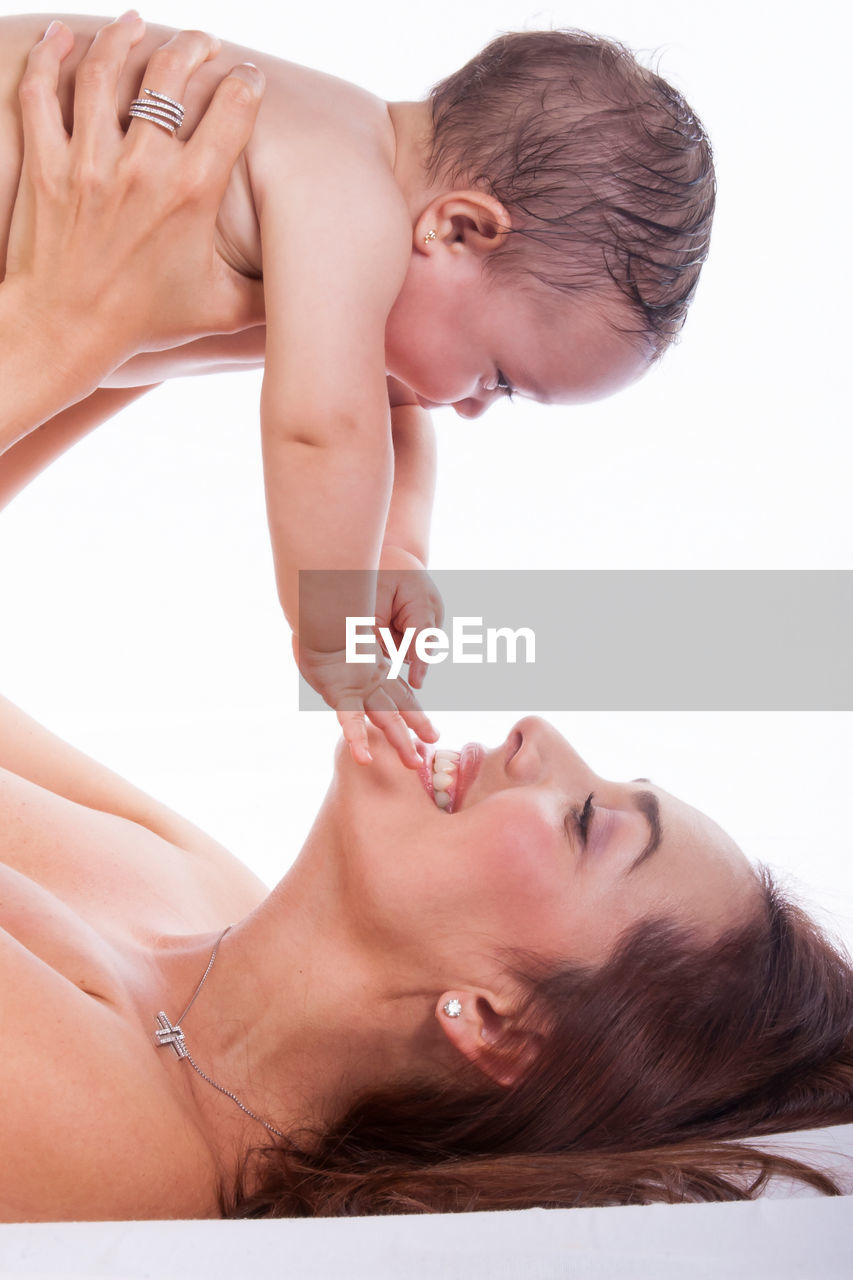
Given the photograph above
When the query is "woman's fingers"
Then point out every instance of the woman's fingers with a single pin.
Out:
(96, 81)
(226, 126)
(41, 117)
(169, 71)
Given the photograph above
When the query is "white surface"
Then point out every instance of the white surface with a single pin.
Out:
(139, 619)
(809, 1240)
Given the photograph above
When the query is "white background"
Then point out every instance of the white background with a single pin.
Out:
(137, 608)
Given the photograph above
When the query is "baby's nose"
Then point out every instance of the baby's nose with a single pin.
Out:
(473, 407)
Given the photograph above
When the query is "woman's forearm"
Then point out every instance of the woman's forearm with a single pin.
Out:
(27, 458)
(36, 383)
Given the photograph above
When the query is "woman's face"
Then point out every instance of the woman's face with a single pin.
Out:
(535, 854)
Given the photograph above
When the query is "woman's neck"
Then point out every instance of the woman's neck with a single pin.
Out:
(296, 1017)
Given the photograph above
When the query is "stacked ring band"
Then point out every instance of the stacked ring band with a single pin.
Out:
(158, 109)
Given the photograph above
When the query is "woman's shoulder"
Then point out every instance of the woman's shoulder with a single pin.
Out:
(70, 822)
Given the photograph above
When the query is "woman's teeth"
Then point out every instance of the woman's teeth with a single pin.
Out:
(444, 766)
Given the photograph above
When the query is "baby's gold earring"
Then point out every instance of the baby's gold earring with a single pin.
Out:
(430, 235)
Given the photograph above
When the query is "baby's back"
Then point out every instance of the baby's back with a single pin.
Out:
(304, 114)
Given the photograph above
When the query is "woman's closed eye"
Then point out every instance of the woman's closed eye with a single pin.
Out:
(582, 818)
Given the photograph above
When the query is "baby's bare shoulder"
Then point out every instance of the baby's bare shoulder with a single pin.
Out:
(319, 139)
(334, 222)
(304, 108)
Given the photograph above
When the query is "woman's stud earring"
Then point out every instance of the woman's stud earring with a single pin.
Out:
(452, 1008)
(430, 235)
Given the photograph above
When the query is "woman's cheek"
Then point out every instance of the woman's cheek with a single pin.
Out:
(524, 854)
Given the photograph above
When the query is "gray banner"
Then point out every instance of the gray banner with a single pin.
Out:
(631, 641)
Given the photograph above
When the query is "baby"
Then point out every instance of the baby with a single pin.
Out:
(536, 226)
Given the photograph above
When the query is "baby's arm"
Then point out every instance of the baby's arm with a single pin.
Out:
(336, 243)
(406, 595)
(410, 513)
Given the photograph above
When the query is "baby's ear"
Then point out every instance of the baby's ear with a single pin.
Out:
(493, 1041)
(470, 219)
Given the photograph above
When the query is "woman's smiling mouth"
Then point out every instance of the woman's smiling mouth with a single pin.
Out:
(446, 775)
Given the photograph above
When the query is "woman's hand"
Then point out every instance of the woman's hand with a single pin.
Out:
(112, 237)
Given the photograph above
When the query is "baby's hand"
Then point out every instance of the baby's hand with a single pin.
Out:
(361, 691)
(406, 596)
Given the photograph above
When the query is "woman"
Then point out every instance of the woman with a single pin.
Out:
(561, 990)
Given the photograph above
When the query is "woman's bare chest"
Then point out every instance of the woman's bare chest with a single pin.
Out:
(90, 1110)
(91, 1127)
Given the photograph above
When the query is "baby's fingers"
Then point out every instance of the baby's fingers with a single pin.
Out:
(427, 614)
(386, 716)
(354, 727)
(395, 710)
(417, 673)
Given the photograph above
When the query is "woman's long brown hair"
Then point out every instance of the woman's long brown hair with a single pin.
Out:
(651, 1066)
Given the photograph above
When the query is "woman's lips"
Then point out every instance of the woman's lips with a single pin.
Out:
(469, 767)
(425, 768)
(470, 759)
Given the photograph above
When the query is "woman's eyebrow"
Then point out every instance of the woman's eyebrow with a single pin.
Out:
(646, 802)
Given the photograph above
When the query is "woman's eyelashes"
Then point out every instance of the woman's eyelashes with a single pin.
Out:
(583, 818)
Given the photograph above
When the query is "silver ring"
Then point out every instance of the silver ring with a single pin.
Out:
(162, 113)
(163, 97)
(158, 108)
(136, 110)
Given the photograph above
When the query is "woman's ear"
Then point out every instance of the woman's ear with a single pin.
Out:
(502, 1050)
(471, 220)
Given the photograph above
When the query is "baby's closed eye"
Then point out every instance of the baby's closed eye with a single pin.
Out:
(502, 383)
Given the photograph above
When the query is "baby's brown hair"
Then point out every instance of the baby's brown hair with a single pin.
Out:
(606, 171)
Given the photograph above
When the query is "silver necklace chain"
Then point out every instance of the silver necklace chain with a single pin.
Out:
(171, 1035)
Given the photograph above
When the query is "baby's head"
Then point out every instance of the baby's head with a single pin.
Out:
(604, 169)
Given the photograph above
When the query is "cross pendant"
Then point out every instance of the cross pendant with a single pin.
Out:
(166, 1034)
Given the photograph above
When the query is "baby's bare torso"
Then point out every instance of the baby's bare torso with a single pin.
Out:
(304, 114)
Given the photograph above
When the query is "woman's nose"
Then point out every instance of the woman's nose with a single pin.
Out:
(525, 750)
(537, 752)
